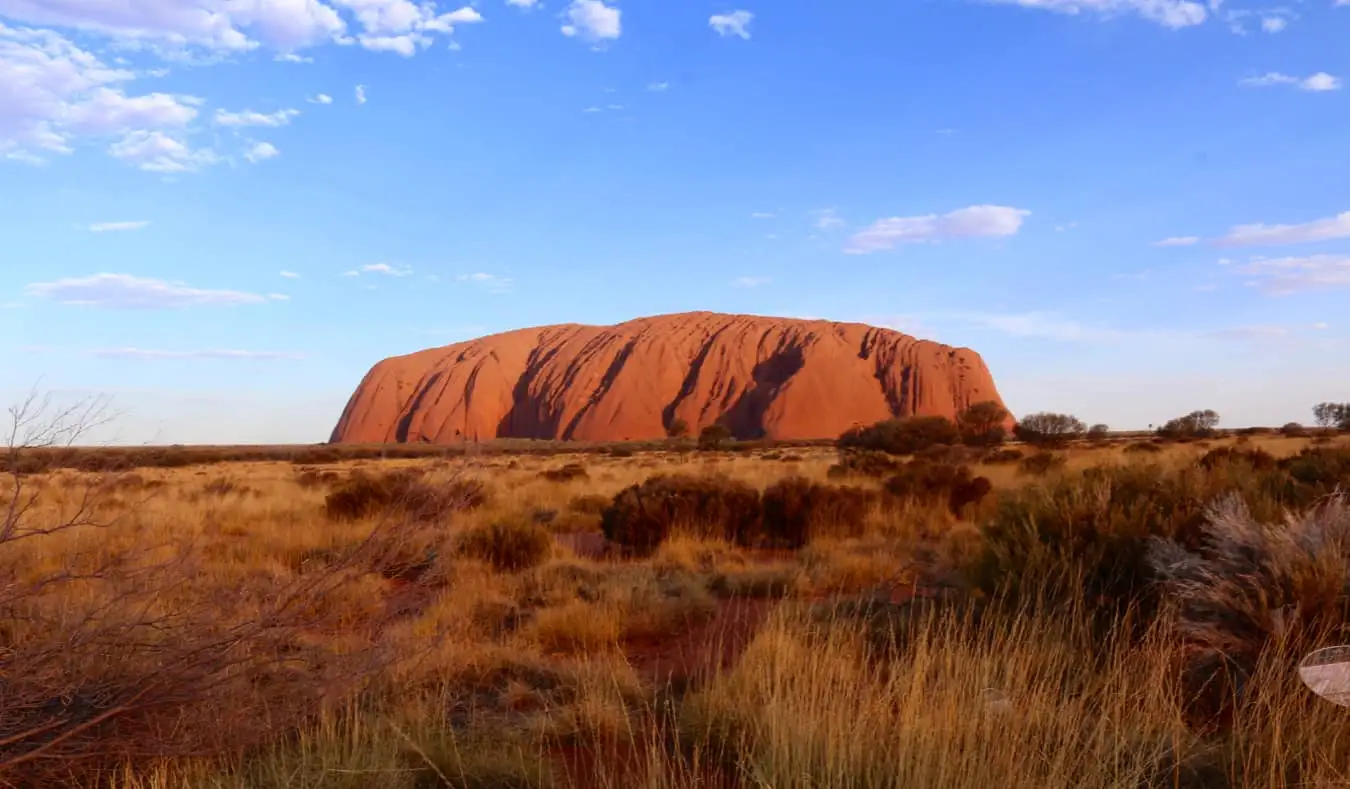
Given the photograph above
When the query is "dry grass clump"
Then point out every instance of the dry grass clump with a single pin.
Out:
(509, 545)
(1041, 464)
(864, 463)
(403, 492)
(568, 472)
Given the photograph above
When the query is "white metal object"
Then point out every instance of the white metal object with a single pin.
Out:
(1326, 672)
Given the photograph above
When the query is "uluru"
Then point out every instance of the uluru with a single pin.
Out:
(762, 377)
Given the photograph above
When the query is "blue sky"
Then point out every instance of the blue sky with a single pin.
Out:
(221, 213)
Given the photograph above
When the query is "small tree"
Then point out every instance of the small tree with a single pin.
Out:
(1196, 424)
(1335, 416)
(712, 436)
(678, 428)
(1049, 430)
(1098, 432)
(982, 424)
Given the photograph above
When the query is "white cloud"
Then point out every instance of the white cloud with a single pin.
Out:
(157, 152)
(251, 118)
(1067, 226)
(52, 92)
(736, 23)
(1289, 275)
(1261, 234)
(1320, 82)
(124, 291)
(592, 20)
(978, 221)
(658, 87)
(112, 227)
(322, 98)
(523, 3)
(1172, 14)
(1178, 241)
(261, 152)
(750, 282)
(828, 218)
(288, 274)
(1274, 24)
(380, 268)
(405, 45)
(360, 94)
(149, 353)
(278, 297)
(291, 57)
(492, 282)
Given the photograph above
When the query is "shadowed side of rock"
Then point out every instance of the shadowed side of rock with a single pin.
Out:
(762, 377)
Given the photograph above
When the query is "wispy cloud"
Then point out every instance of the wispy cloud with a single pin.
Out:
(124, 291)
(1173, 14)
(251, 118)
(1261, 234)
(492, 282)
(1320, 82)
(977, 221)
(1178, 241)
(384, 269)
(360, 94)
(736, 23)
(658, 87)
(763, 215)
(291, 57)
(278, 297)
(1286, 276)
(322, 98)
(828, 218)
(750, 282)
(288, 274)
(114, 227)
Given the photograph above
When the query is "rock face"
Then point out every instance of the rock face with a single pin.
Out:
(762, 377)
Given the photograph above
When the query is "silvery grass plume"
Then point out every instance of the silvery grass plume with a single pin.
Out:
(1252, 587)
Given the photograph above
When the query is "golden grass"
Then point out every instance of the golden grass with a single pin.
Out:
(486, 674)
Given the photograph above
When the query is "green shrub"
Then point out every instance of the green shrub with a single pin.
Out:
(641, 516)
(1196, 424)
(901, 436)
(797, 510)
(508, 545)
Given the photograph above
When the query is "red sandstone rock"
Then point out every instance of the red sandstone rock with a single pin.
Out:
(772, 377)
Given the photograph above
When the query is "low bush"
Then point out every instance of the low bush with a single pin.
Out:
(797, 510)
(902, 436)
(565, 473)
(1041, 464)
(1257, 459)
(508, 545)
(401, 493)
(641, 516)
(864, 463)
(1002, 456)
(933, 483)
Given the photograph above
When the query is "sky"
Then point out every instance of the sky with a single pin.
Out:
(218, 214)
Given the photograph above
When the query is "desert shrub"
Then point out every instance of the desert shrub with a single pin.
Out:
(932, 483)
(1335, 416)
(864, 463)
(1143, 448)
(956, 455)
(508, 545)
(1253, 587)
(565, 473)
(589, 503)
(641, 516)
(1258, 459)
(1196, 424)
(620, 452)
(1098, 432)
(1002, 456)
(677, 428)
(1040, 464)
(1083, 537)
(1049, 430)
(713, 436)
(901, 436)
(796, 510)
(308, 478)
(403, 494)
(981, 425)
(1315, 472)
(1293, 430)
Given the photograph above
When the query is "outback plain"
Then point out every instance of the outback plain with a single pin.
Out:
(917, 604)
